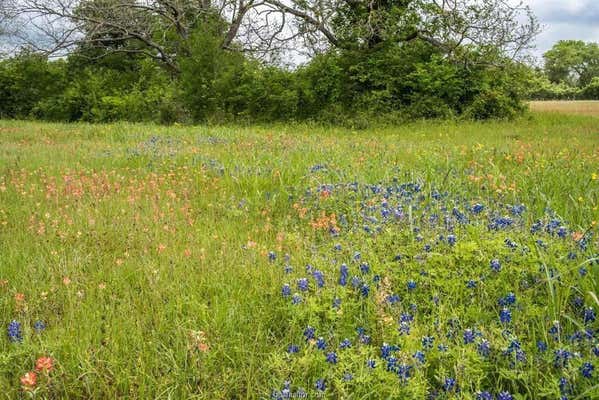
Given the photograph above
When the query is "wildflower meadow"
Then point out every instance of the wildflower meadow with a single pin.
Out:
(436, 260)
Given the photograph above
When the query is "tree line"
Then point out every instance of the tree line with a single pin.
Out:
(267, 60)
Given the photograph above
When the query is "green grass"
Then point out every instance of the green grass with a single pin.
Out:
(162, 231)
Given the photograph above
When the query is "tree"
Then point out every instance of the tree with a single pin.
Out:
(573, 62)
(160, 29)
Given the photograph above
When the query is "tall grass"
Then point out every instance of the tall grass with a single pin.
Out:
(127, 240)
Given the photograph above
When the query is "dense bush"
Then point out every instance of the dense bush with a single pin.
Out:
(348, 87)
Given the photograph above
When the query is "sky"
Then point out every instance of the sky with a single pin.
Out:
(565, 19)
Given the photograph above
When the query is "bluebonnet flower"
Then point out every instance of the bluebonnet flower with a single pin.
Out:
(337, 247)
(542, 346)
(272, 256)
(504, 396)
(582, 271)
(348, 377)
(296, 299)
(477, 208)
(365, 290)
(393, 298)
(587, 370)
(555, 330)
(564, 387)
(318, 277)
(449, 385)
(356, 282)
(286, 290)
(39, 326)
(451, 239)
(442, 348)
(303, 284)
(14, 331)
(411, 285)
(484, 396)
(505, 316)
(365, 339)
(336, 302)
(332, 357)
(292, 349)
(562, 357)
(320, 385)
(498, 223)
(391, 364)
(484, 348)
(370, 363)
(596, 350)
(510, 243)
(495, 265)
(321, 344)
(468, 336)
(419, 356)
(509, 299)
(387, 349)
(288, 269)
(309, 332)
(344, 273)
(589, 315)
(471, 284)
(404, 372)
(357, 256)
(364, 268)
(427, 342)
(346, 343)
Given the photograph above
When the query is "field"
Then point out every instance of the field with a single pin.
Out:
(567, 107)
(433, 260)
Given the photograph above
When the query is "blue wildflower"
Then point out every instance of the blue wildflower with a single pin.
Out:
(14, 331)
(504, 396)
(419, 356)
(484, 396)
(272, 256)
(471, 284)
(484, 348)
(292, 349)
(296, 299)
(371, 363)
(344, 273)
(589, 315)
(286, 290)
(321, 344)
(404, 372)
(449, 385)
(319, 278)
(346, 343)
(303, 284)
(587, 370)
(364, 268)
(495, 265)
(427, 342)
(505, 316)
(468, 336)
(39, 326)
(348, 377)
(451, 240)
(411, 285)
(542, 346)
(336, 302)
(320, 385)
(309, 333)
(332, 357)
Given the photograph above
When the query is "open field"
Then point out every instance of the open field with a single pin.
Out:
(567, 107)
(435, 260)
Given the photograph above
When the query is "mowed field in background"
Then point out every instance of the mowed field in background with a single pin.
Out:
(590, 107)
(432, 260)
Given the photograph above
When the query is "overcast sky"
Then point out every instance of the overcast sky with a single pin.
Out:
(566, 19)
